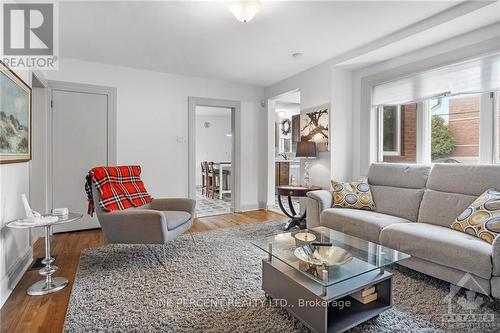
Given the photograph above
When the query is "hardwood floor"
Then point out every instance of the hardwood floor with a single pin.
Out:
(23, 313)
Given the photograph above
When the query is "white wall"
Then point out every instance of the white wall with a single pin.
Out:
(341, 125)
(320, 85)
(152, 122)
(212, 144)
(15, 244)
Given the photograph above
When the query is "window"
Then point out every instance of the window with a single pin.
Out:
(399, 133)
(392, 130)
(449, 126)
(455, 129)
(457, 118)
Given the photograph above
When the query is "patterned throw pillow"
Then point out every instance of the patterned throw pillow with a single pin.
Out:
(355, 195)
(483, 213)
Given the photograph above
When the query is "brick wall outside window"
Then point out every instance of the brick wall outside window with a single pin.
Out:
(464, 126)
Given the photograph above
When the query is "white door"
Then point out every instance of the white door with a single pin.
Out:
(79, 143)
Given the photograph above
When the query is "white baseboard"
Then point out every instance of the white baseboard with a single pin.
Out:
(9, 281)
(246, 208)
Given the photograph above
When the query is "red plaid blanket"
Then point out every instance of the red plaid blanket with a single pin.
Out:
(119, 187)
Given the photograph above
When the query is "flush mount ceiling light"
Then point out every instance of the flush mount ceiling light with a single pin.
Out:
(244, 11)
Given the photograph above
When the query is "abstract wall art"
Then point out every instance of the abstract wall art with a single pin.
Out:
(314, 126)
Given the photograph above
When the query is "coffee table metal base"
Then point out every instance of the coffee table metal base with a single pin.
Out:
(43, 287)
(335, 312)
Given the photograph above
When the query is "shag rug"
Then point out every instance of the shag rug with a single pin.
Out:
(214, 285)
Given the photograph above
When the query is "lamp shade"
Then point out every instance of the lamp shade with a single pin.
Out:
(306, 149)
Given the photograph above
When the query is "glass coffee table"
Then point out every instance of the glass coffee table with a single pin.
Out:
(328, 280)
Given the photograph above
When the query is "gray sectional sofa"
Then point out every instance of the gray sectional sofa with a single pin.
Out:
(415, 206)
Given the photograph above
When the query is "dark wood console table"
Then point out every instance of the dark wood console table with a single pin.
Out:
(294, 191)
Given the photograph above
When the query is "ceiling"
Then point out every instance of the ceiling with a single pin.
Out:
(203, 39)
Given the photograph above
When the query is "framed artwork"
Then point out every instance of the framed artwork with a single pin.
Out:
(314, 126)
(15, 117)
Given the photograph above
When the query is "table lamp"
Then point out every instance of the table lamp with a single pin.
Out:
(307, 150)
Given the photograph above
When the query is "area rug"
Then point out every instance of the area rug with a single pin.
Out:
(214, 285)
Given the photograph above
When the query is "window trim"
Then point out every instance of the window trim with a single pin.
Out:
(496, 127)
(397, 151)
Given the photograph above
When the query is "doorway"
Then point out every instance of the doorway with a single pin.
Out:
(283, 135)
(214, 155)
(75, 149)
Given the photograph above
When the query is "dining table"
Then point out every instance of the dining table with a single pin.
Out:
(223, 166)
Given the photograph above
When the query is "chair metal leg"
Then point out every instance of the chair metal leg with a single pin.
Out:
(157, 257)
(192, 237)
(164, 253)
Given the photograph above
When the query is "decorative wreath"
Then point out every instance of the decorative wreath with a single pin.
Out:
(286, 126)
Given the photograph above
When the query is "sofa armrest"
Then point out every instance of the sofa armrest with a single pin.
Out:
(134, 226)
(317, 201)
(179, 204)
(495, 256)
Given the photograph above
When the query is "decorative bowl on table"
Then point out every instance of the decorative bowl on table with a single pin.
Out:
(323, 255)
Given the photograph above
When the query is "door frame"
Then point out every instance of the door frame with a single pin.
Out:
(235, 107)
(270, 151)
(111, 94)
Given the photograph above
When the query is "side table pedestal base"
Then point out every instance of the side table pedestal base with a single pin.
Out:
(43, 287)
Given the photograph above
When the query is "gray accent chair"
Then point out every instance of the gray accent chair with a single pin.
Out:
(415, 206)
(158, 222)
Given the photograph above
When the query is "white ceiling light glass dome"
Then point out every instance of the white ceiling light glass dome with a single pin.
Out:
(244, 11)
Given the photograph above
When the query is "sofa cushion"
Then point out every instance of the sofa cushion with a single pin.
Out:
(352, 195)
(484, 212)
(441, 208)
(464, 178)
(398, 175)
(440, 245)
(176, 218)
(397, 201)
(359, 223)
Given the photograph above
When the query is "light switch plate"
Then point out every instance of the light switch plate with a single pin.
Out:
(181, 139)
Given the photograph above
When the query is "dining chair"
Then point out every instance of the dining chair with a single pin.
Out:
(203, 178)
(212, 184)
(209, 178)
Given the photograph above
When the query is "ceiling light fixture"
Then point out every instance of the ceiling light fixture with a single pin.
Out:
(244, 11)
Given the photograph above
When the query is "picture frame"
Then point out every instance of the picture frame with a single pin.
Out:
(15, 117)
(314, 126)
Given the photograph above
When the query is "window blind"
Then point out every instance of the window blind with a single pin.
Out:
(474, 76)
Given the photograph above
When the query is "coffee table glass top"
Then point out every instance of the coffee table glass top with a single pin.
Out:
(345, 258)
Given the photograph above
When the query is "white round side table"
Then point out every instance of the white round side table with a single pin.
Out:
(50, 284)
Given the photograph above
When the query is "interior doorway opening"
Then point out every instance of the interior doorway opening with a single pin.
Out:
(213, 160)
(284, 168)
(214, 155)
